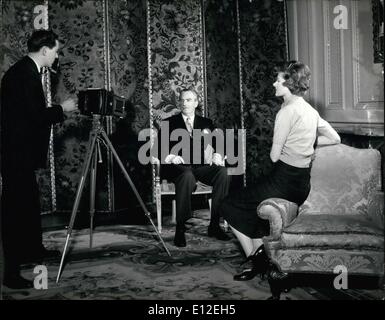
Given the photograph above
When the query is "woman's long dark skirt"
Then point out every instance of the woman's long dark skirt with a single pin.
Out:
(285, 181)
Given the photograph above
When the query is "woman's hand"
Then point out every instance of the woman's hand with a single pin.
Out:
(326, 134)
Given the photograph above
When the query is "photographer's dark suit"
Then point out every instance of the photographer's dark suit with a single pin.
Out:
(25, 129)
(184, 176)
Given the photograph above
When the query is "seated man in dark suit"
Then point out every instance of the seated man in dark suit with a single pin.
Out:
(183, 169)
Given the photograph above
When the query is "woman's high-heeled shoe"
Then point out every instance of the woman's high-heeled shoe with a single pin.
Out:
(260, 263)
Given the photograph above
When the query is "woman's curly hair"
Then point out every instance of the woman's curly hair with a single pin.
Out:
(297, 77)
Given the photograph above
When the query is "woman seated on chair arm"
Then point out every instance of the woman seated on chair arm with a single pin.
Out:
(297, 129)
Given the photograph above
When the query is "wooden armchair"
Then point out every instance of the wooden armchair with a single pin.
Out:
(168, 188)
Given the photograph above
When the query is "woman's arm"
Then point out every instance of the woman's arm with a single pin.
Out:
(281, 131)
(275, 152)
(326, 134)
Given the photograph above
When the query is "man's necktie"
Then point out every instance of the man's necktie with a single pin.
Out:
(41, 73)
(189, 126)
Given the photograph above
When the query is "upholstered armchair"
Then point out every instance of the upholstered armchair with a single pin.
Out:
(340, 224)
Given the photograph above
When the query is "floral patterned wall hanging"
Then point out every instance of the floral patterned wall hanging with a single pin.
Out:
(222, 67)
(176, 59)
(263, 46)
(79, 25)
(176, 53)
(129, 79)
(128, 56)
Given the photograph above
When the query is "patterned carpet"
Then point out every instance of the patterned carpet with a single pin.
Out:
(129, 262)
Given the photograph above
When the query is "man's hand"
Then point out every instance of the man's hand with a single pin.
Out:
(172, 158)
(217, 160)
(177, 160)
(69, 105)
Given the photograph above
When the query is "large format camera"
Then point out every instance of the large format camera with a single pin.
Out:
(100, 101)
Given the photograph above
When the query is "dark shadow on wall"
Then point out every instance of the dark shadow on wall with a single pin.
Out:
(126, 144)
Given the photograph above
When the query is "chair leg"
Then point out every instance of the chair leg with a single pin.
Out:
(278, 281)
(159, 213)
(225, 224)
(173, 212)
(275, 289)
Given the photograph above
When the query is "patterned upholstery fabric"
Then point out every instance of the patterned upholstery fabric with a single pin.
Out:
(332, 224)
(341, 222)
(347, 231)
(365, 262)
(279, 212)
(343, 179)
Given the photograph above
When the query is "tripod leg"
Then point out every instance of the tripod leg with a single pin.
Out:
(93, 190)
(86, 166)
(148, 215)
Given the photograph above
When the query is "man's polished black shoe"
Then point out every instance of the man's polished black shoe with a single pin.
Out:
(260, 263)
(180, 239)
(39, 256)
(17, 282)
(49, 254)
(217, 232)
(42, 254)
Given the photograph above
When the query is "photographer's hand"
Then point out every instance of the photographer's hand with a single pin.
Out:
(69, 105)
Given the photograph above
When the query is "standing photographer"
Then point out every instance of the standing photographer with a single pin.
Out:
(25, 126)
